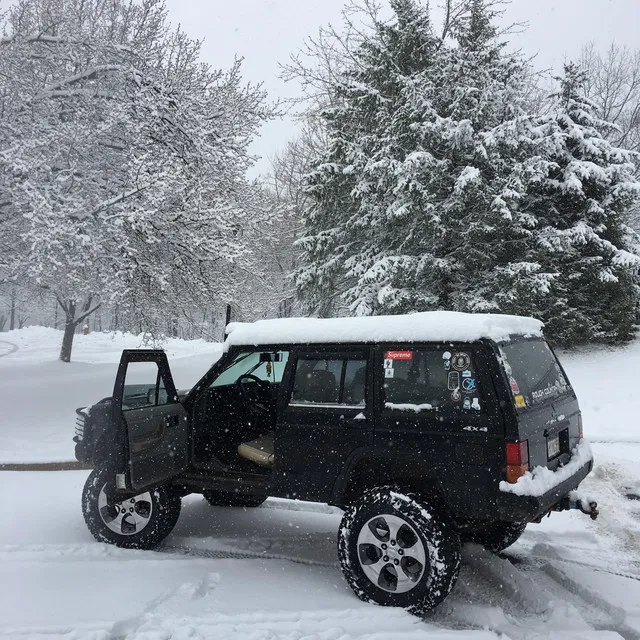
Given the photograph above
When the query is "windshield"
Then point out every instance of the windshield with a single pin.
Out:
(251, 363)
(534, 373)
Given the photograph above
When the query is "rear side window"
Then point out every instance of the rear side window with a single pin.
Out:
(330, 381)
(534, 374)
(426, 379)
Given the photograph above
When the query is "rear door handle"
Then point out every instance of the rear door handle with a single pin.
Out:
(356, 418)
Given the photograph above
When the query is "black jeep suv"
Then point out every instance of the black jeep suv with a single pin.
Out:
(429, 430)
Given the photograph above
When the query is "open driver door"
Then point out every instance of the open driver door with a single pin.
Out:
(154, 422)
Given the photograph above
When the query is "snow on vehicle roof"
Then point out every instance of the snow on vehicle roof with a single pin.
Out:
(429, 326)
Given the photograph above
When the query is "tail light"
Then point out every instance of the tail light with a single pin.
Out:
(517, 460)
(579, 426)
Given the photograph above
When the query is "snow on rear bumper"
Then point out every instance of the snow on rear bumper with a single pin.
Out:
(539, 490)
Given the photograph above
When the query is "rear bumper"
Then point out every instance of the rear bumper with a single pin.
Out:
(515, 508)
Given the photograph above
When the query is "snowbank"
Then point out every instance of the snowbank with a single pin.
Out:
(605, 380)
(41, 344)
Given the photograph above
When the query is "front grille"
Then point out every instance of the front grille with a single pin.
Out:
(80, 420)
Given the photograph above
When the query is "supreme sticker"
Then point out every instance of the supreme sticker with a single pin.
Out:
(399, 355)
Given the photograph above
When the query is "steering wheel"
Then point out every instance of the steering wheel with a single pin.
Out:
(256, 396)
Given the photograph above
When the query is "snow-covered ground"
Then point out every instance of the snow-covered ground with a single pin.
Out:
(39, 394)
(271, 573)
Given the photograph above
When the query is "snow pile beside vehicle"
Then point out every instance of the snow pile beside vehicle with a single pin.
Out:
(430, 326)
(540, 480)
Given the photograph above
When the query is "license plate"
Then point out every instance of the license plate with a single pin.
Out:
(553, 446)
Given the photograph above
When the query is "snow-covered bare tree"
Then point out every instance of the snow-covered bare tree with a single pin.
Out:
(612, 84)
(123, 157)
(291, 201)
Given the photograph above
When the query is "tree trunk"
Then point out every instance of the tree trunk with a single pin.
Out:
(67, 339)
(71, 322)
(12, 320)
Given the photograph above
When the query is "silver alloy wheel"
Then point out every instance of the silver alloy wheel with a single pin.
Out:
(128, 517)
(391, 553)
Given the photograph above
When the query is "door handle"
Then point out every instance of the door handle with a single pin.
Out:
(170, 421)
(357, 418)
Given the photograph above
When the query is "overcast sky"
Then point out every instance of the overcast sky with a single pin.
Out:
(266, 32)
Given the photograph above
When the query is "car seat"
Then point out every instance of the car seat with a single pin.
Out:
(260, 450)
(355, 393)
(320, 387)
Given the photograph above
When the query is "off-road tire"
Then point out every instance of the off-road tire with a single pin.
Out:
(438, 537)
(495, 536)
(225, 499)
(165, 511)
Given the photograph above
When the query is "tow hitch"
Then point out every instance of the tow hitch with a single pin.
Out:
(575, 501)
(591, 510)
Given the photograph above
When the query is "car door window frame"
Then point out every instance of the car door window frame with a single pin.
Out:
(444, 418)
(362, 353)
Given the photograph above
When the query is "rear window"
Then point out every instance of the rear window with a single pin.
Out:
(534, 374)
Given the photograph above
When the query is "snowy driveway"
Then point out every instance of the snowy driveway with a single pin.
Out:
(7, 347)
(271, 573)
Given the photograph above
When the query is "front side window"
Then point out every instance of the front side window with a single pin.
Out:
(144, 386)
(330, 381)
(430, 379)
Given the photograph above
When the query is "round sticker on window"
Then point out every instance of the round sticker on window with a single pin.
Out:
(469, 385)
(460, 361)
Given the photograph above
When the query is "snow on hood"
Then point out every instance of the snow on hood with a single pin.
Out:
(429, 326)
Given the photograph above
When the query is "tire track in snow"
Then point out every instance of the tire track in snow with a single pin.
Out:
(615, 617)
(7, 348)
(528, 600)
(223, 554)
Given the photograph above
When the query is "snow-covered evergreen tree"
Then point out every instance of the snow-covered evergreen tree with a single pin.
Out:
(410, 208)
(579, 189)
(437, 190)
